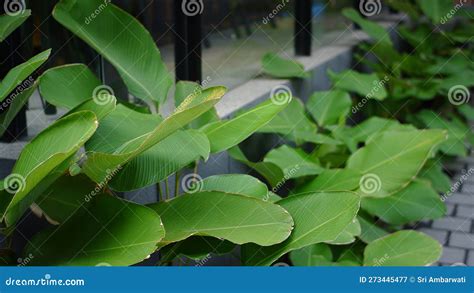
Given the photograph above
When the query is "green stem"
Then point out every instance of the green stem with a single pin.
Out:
(158, 191)
(167, 189)
(196, 167)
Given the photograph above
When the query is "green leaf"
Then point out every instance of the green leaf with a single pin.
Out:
(44, 154)
(235, 184)
(454, 145)
(392, 159)
(196, 248)
(100, 109)
(329, 107)
(402, 248)
(467, 111)
(106, 232)
(311, 255)
(369, 230)
(236, 218)
(65, 196)
(348, 235)
(226, 134)
(16, 87)
(374, 30)
(9, 23)
(279, 67)
(437, 10)
(404, 6)
(69, 85)
(318, 217)
(162, 160)
(333, 180)
(433, 172)
(128, 142)
(364, 84)
(294, 163)
(123, 41)
(418, 201)
(271, 172)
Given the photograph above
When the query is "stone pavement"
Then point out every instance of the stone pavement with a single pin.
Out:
(455, 231)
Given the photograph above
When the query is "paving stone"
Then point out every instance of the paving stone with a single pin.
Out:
(470, 258)
(452, 255)
(453, 224)
(465, 211)
(449, 209)
(460, 198)
(468, 188)
(461, 240)
(439, 235)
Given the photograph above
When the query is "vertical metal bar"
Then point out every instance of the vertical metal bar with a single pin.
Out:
(188, 44)
(303, 27)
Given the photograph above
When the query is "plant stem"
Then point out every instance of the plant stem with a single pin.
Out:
(196, 167)
(177, 177)
(158, 191)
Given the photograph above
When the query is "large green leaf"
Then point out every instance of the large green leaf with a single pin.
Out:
(454, 145)
(329, 107)
(374, 30)
(293, 118)
(110, 154)
(333, 180)
(239, 219)
(402, 248)
(49, 150)
(279, 67)
(65, 196)
(226, 134)
(392, 159)
(348, 235)
(101, 110)
(364, 84)
(294, 163)
(122, 40)
(433, 172)
(9, 23)
(369, 230)
(196, 248)
(437, 10)
(69, 85)
(165, 158)
(105, 232)
(416, 202)
(319, 217)
(236, 184)
(311, 255)
(16, 87)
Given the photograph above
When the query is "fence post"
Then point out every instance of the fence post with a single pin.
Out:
(303, 27)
